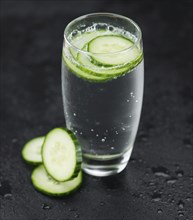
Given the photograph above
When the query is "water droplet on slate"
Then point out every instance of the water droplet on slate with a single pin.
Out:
(181, 204)
(159, 211)
(180, 214)
(151, 184)
(187, 143)
(132, 160)
(188, 199)
(8, 196)
(76, 216)
(45, 206)
(72, 209)
(14, 140)
(179, 173)
(171, 181)
(160, 171)
(156, 197)
(102, 203)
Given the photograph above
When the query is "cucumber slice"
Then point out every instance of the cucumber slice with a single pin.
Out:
(83, 72)
(61, 154)
(31, 152)
(96, 70)
(81, 40)
(47, 185)
(107, 46)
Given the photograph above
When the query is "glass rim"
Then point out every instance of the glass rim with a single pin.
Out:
(103, 14)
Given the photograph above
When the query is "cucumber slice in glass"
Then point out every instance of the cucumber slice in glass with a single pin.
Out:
(107, 50)
(83, 72)
(61, 154)
(31, 151)
(47, 185)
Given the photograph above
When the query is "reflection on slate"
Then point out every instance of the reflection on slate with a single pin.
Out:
(158, 181)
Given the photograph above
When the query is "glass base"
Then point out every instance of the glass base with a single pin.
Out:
(105, 166)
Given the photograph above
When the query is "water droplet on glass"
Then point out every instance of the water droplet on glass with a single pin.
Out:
(112, 148)
(46, 207)
(116, 132)
(136, 101)
(81, 133)
(130, 116)
(127, 100)
(160, 171)
(74, 114)
(97, 135)
(181, 204)
(123, 129)
(159, 211)
(92, 129)
(103, 140)
(102, 203)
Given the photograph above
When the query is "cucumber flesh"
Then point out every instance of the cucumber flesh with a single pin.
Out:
(61, 154)
(107, 50)
(90, 66)
(31, 152)
(46, 184)
(81, 40)
(82, 72)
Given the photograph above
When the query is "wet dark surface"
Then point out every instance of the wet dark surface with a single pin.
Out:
(158, 182)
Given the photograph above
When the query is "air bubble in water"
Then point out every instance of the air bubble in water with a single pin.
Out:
(111, 28)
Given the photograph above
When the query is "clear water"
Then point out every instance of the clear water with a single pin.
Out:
(103, 115)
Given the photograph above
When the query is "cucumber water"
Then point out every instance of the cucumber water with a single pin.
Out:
(102, 84)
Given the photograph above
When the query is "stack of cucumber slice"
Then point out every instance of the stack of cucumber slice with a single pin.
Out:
(58, 156)
(106, 56)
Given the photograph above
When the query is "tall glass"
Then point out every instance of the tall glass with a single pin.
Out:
(102, 87)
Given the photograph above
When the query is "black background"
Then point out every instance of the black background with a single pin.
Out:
(157, 183)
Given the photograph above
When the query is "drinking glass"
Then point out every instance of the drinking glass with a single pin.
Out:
(103, 91)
